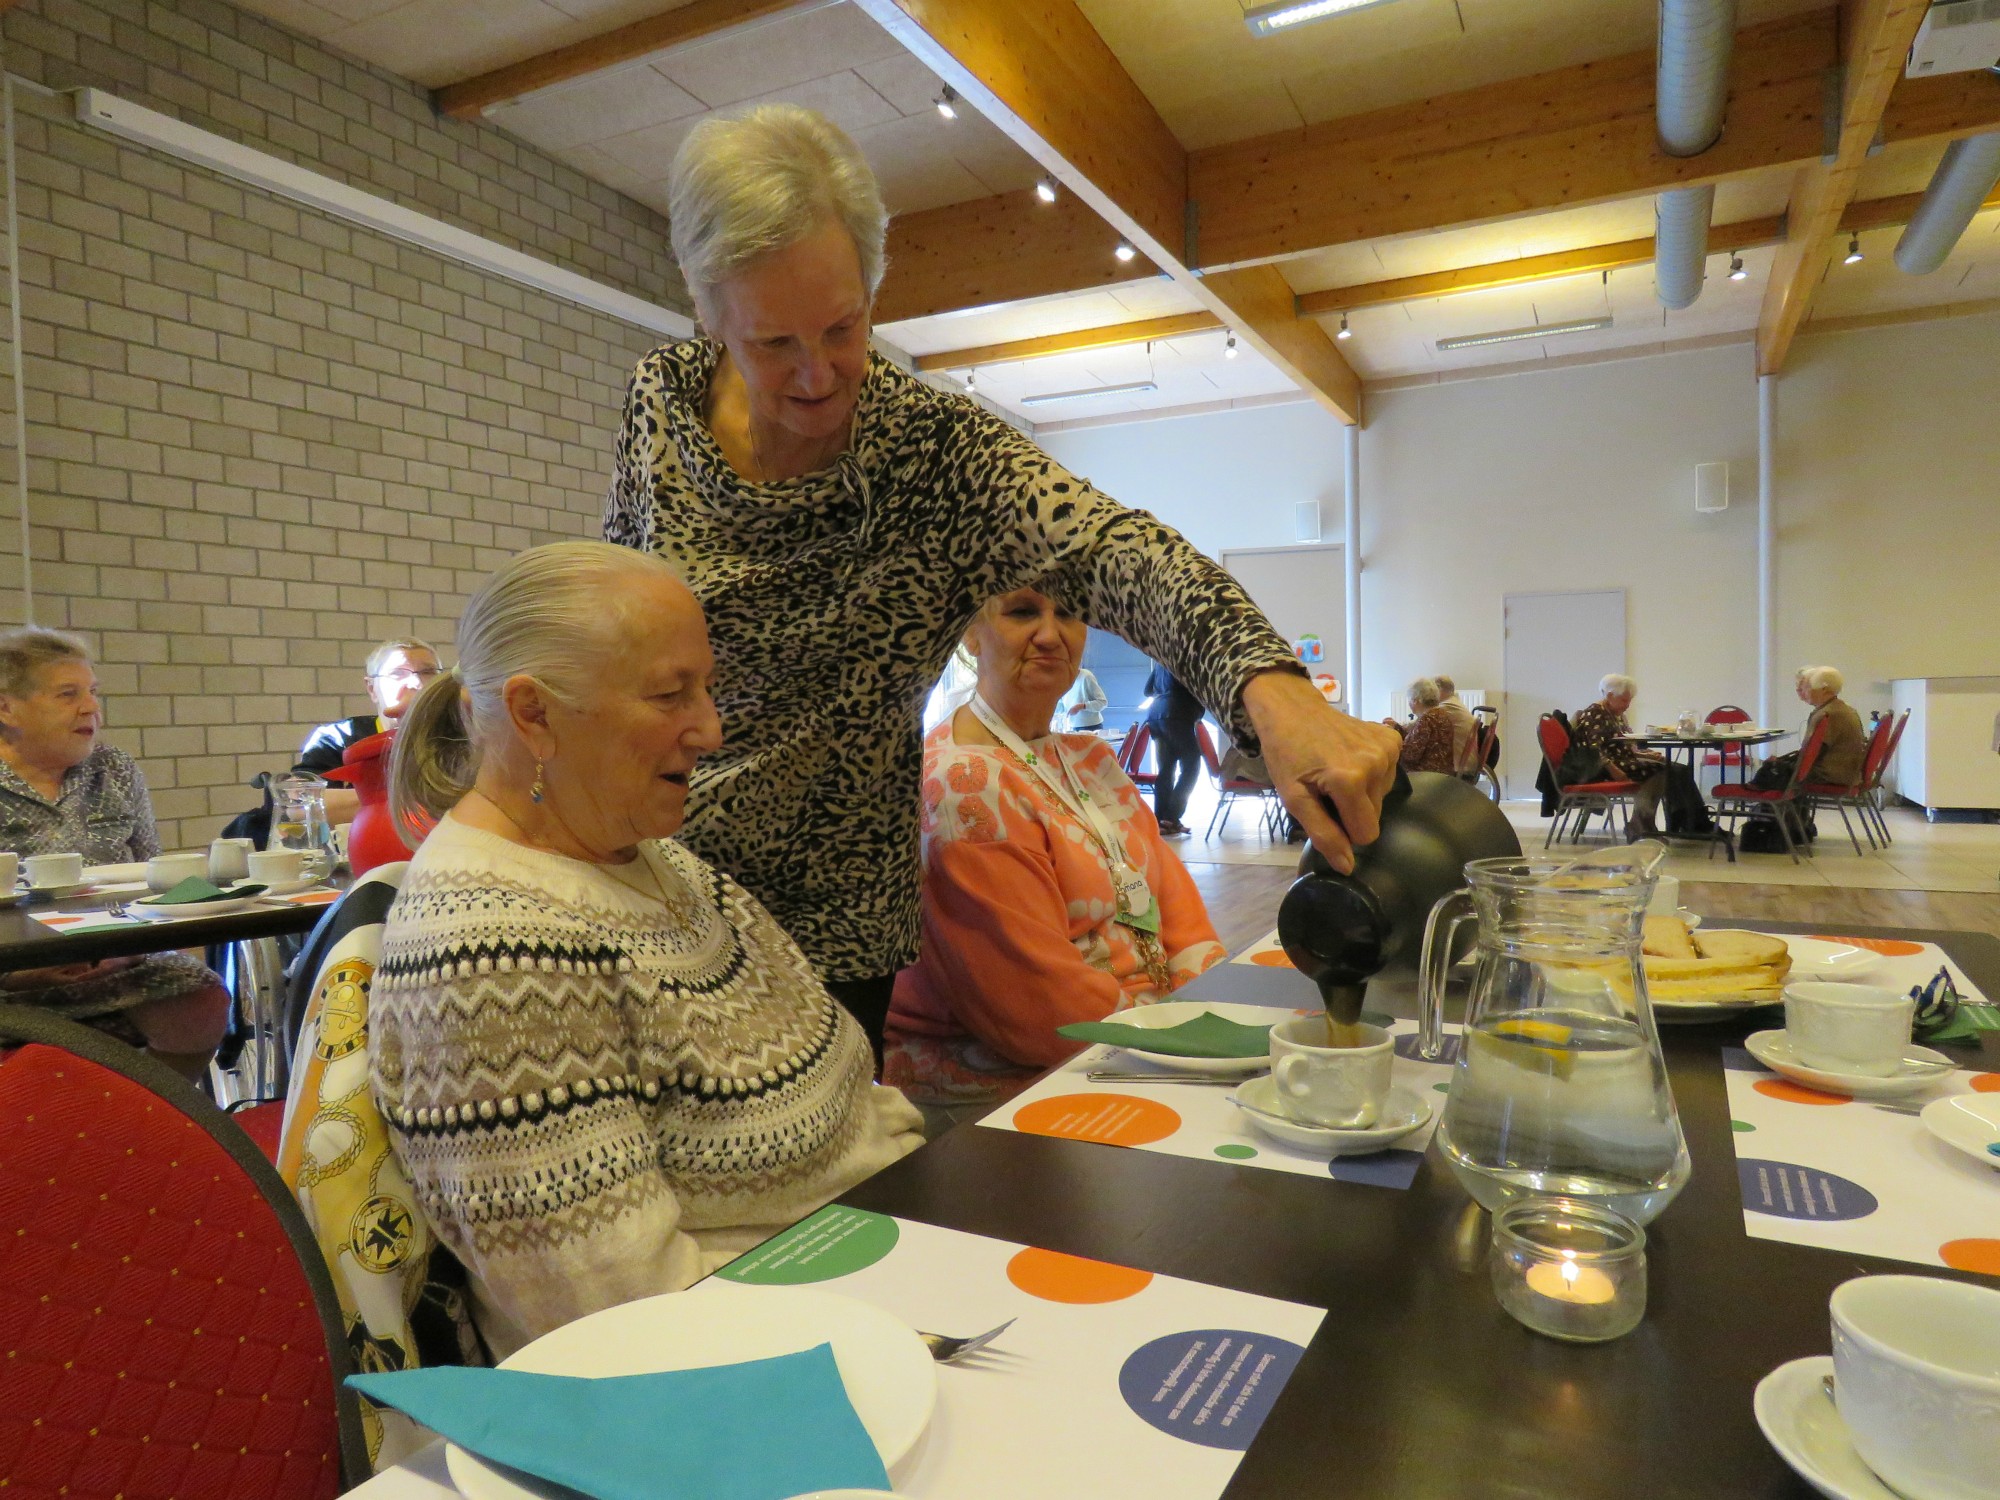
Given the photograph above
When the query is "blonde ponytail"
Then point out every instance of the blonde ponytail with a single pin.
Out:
(433, 764)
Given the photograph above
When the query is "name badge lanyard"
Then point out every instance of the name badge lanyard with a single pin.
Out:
(1136, 907)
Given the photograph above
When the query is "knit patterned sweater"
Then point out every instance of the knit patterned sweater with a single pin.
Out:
(603, 1084)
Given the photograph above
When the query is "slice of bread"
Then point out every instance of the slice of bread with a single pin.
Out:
(1668, 937)
(1743, 947)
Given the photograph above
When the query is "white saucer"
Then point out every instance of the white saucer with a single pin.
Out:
(1816, 958)
(12, 898)
(60, 892)
(1802, 1423)
(1970, 1122)
(1921, 1068)
(1403, 1111)
(1175, 1012)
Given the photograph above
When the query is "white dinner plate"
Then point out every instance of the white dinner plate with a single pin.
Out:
(1970, 1122)
(1713, 1008)
(187, 911)
(1403, 1111)
(1816, 958)
(1802, 1423)
(1922, 1067)
(280, 887)
(1174, 1012)
(889, 1374)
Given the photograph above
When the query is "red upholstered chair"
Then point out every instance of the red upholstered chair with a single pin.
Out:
(1479, 754)
(1860, 796)
(1728, 757)
(1582, 798)
(1787, 806)
(1132, 751)
(1888, 759)
(1230, 788)
(167, 1327)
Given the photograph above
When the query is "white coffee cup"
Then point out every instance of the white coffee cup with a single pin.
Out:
(1666, 897)
(165, 871)
(1848, 1028)
(229, 859)
(277, 866)
(1339, 1087)
(1916, 1376)
(10, 871)
(50, 871)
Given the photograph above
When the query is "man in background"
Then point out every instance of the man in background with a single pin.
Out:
(396, 672)
(1172, 711)
(1464, 729)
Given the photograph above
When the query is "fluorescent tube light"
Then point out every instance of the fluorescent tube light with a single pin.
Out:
(1514, 335)
(1268, 20)
(1131, 387)
(134, 122)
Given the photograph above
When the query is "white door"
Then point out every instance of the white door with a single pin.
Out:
(1303, 589)
(1558, 647)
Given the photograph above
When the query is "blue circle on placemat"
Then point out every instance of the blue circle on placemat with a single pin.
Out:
(1406, 1048)
(1212, 1386)
(1785, 1190)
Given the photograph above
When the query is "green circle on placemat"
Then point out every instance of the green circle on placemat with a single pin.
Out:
(1235, 1152)
(1741, 1125)
(834, 1242)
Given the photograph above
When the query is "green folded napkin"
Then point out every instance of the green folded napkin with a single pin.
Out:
(765, 1429)
(191, 890)
(1207, 1035)
(1966, 1024)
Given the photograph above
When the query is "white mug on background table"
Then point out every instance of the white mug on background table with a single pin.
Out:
(52, 871)
(1341, 1088)
(165, 871)
(1848, 1028)
(10, 871)
(229, 859)
(1916, 1382)
(277, 866)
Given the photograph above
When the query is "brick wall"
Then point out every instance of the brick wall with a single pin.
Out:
(262, 439)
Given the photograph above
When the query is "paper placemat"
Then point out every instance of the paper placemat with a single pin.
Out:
(1111, 1379)
(1198, 1120)
(1838, 1174)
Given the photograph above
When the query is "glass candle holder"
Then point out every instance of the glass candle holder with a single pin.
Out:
(1569, 1269)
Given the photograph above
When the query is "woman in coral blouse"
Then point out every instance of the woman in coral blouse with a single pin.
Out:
(1048, 896)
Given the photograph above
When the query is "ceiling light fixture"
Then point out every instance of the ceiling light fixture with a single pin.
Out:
(1345, 331)
(1268, 20)
(1124, 251)
(1514, 335)
(971, 381)
(1736, 271)
(1046, 190)
(1229, 347)
(947, 103)
(1130, 388)
(1853, 250)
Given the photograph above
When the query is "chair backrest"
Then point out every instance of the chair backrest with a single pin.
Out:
(1878, 752)
(401, 1294)
(1206, 743)
(1132, 749)
(1728, 713)
(1555, 743)
(1895, 739)
(1802, 768)
(169, 1324)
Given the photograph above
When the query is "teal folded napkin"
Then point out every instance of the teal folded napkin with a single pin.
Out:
(766, 1429)
(1207, 1035)
(194, 890)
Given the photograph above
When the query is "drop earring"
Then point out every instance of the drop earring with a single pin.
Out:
(535, 791)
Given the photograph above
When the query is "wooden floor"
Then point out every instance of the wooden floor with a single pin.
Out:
(1243, 903)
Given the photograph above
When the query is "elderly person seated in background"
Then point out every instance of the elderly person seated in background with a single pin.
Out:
(1464, 728)
(1845, 747)
(63, 791)
(1048, 895)
(1429, 739)
(396, 672)
(604, 1067)
(1599, 730)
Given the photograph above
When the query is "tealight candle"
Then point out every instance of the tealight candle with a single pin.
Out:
(1569, 1269)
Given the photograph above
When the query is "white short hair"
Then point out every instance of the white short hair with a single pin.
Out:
(1616, 685)
(1424, 693)
(742, 187)
(1446, 687)
(1821, 679)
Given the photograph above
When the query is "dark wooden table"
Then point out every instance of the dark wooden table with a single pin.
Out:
(1417, 1384)
(26, 943)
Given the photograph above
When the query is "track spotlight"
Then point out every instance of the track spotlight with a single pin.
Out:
(1124, 251)
(1046, 190)
(1853, 250)
(1229, 347)
(1736, 271)
(1345, 331)
(947, 103)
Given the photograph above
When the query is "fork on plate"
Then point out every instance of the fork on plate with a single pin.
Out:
(946, 1349)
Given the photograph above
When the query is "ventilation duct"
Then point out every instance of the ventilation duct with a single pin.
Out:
(1692, 91)
(1967, 175)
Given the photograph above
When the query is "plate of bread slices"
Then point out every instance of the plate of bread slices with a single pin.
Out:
(1713, 973)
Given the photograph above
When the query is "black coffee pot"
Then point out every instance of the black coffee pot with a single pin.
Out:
(1342, 930)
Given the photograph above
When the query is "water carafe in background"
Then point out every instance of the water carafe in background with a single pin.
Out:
(1559, 1087)
(298, 821)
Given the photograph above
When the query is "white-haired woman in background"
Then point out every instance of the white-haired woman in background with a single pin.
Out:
(1602, 727)
(842, 521)
(1429, 741)
(606, 1070)
(1846, 745)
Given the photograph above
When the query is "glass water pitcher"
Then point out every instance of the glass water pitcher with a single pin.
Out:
(1558, 1086)
(298, 821)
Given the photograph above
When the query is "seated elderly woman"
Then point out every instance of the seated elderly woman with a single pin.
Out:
(1845, 747)
(1048, 895)
(63, 791)
(1601, 728)
(605, 1068)
(1430, 739)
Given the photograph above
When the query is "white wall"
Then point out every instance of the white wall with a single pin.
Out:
(1583, 477)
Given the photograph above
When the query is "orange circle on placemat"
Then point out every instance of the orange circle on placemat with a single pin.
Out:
(1796, 1093)
(1889, 947)
(1273, 958)
(1109, 1119)
(1055, 1277)
(1982, 1256)
(1986, 1083)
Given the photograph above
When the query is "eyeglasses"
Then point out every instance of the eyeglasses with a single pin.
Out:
(410, 674)
(1937, 1002)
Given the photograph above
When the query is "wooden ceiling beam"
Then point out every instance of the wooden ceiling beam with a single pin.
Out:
(1944, 107)
(1577, 135)
(1044, 77)
(1875, 38)
(1108, 336)
(470, 98)
(1893, 213)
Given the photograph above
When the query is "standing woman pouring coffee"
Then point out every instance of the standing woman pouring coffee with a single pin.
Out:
(842, 522)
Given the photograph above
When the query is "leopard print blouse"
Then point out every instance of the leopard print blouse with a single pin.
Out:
(834, 600)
